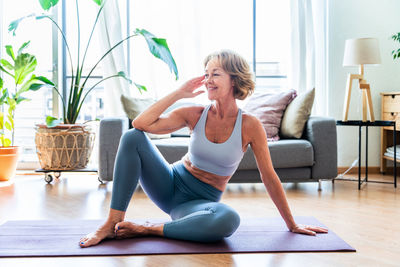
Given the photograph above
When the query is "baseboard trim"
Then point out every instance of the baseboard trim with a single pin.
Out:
(371, 170)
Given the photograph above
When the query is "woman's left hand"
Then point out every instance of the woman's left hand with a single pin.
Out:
(308, 229)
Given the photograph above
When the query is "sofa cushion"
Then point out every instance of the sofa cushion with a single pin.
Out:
(287, 153)
(291, 175)
(300, 151)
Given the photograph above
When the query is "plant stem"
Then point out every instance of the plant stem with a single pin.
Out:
(112, 48)
(62, 99)
(79, 68)
(91, 34)
(66, 44)
(70, 59)
(81, 103)
(13, 126)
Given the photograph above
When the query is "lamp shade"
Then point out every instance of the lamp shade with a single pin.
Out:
(361, 51)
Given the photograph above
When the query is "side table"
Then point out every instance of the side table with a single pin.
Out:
(366, 124)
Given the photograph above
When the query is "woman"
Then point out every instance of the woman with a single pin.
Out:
(189, 190)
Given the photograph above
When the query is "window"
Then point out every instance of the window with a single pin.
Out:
(272, 44)
(258, 30)
(193, 29)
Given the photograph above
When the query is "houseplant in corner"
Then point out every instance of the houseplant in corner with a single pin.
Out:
(396, 53)
(61, 143)
(20, 66)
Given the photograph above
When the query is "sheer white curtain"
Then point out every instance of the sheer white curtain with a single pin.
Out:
(110, 33)
(193, 29)
(309, 50)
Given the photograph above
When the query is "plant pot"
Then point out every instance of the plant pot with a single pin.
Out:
(64, 147)
(8, 162)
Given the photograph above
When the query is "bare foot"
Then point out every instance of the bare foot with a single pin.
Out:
(129, 229)
(105, 231)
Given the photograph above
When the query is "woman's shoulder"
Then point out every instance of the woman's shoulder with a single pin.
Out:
(249, 120)
(251, 125)
(192, 114)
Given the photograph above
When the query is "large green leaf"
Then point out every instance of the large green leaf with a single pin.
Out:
(1, 120)
(47, 4)
(6, 64)
(33, 85)
(24, 65)
(52, 122)
(36, 86)
(11, 120)
(5, 71)
(159, 48)
(6, 142)
(11, 104)
(25, 87)
(4, 96)
(99, 2)
(21, 98)
(23, 46)
(10, 51)
(3, 93)
(8, 126)
(12, 27)
(140, 87)
(45, 80)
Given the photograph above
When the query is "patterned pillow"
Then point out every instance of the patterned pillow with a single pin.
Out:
(268, 107)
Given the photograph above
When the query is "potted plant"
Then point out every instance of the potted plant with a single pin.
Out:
(19, 68)
(396, 53)
(62, 143)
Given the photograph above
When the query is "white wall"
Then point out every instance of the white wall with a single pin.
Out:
(355, 19)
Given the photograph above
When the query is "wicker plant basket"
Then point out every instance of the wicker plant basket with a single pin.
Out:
(64, 147)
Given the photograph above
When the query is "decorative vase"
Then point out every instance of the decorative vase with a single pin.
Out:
(64, 147)
(8, 162)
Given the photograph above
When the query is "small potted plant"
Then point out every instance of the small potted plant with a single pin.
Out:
(396, 53)
(19, 69)
(61, 143)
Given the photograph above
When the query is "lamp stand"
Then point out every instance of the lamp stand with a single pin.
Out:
(366, 95)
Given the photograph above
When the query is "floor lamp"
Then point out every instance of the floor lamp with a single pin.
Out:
(359, 52)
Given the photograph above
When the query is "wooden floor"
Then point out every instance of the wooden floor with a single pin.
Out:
(369, 220)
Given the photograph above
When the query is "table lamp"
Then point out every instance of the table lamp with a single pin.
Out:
(359, 52)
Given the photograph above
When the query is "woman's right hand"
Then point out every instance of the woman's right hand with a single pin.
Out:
(187, 89)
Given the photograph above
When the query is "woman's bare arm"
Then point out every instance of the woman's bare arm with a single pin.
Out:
(152, 120)
(259, 145)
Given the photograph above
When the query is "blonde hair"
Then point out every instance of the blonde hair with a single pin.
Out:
(238, 69)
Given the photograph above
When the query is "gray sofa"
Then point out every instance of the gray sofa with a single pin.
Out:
(310, 159)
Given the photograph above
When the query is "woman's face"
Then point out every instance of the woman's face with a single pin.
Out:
(218, 83)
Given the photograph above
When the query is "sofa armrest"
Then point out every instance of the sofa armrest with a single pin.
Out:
(321, 132)
(110, 132)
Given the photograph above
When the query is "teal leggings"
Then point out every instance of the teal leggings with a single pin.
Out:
(192, 204)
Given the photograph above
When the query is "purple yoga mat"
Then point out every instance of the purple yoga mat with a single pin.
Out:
(61, 238)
